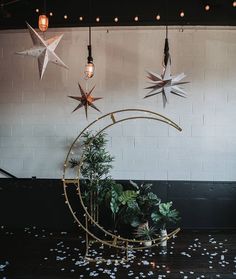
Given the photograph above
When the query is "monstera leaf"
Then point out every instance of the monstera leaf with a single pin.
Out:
(165, 214)
(164, 208)
(128, 197)
(156, 217)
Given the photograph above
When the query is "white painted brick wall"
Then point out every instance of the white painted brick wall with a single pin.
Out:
(37, 126)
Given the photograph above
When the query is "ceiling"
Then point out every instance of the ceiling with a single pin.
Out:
(14, 13)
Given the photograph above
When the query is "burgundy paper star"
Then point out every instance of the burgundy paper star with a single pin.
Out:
(86, 100)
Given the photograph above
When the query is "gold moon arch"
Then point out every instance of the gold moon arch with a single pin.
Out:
(115, 241)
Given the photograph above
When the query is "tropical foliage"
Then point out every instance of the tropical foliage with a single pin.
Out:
(133, 205)
(165, 215)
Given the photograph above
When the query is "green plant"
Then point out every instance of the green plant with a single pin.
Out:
(165, 215)
(145, 233)
(147, 202)
(134, 206)
(123, 203)
(95, 170)
(97, 162)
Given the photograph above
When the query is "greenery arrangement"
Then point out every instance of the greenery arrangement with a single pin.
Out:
(136, 205)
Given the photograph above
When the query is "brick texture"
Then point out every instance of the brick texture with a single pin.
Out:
(37, 126)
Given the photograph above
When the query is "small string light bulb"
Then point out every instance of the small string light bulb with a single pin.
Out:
(158, 17)
(97, 19)
(116, 19)
(136, 18)
(65, 16)
(182, 13)
(37, 10)
(80, 18)
(234, 4)
(207, 7)
(51, 14)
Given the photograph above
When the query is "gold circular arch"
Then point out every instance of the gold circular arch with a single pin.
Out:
(117, 241)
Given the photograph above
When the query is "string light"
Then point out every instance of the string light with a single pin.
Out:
(43, 23)
(43, 19)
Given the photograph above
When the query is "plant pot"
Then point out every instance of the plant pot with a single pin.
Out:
(163, 233)
(148, 243)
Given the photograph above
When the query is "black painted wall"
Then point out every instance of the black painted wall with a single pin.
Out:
(39, 202)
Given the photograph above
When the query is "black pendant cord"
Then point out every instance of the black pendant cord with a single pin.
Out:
(89, 34)
(90, 58)
(166, 47)
(44, 7)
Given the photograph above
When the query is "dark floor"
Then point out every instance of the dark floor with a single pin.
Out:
(33, 253)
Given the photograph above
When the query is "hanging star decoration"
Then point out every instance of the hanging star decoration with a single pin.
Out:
(43, 50)
(86, 100)
(165, 83)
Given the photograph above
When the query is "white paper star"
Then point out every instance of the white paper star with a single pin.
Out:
(166, 83)
(43, 50)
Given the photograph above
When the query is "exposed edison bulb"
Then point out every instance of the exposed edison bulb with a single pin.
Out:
(234, 4)
(43, 23)
(207, 7)
(158, 17)
(182, 13)
(89, 70)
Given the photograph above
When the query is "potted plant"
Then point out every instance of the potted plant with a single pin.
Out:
(95, 171)
(163, 216)
(123, 204)
(147, 202)
(146, 233)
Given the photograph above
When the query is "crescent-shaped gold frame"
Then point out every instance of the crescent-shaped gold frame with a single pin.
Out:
(116, 240)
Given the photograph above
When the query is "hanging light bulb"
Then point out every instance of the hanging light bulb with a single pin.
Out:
(89, 67)
(43, 23)
(89, 70)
